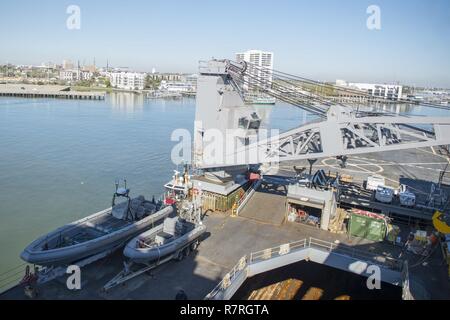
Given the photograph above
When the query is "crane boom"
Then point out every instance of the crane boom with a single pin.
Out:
(339, 131)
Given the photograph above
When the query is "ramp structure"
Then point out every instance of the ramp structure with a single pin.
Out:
(392, 271)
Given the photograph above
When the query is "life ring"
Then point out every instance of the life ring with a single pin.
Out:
(440, 224)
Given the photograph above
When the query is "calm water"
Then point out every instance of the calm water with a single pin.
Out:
(59, 158)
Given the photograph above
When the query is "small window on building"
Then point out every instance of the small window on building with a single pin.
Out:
(254, 124)
(243, 123)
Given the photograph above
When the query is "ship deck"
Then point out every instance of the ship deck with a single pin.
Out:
(229, 238)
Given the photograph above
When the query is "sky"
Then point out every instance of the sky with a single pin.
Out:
(318, 39)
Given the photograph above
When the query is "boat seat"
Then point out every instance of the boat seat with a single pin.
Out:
(172, 226)
(163, 237)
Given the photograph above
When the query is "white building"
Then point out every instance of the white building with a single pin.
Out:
(75, 75)
(260, 65)
(67, 65)
(385, 91)
(127, 80)
(170, 86)
(190, 79)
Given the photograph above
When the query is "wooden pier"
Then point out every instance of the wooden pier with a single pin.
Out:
(46, 91)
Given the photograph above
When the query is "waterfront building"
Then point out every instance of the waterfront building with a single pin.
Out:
(75, 75)
(44, 65)
(384, 91)
(261, 66)
(91, 68)
(171, 86)
(67, 65)
(166, 76)
(127, 80)
(191, 80)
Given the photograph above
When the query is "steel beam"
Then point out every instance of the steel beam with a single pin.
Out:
(350, 136)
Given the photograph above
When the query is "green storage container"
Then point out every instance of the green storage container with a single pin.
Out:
(217, 202)
(367, 227)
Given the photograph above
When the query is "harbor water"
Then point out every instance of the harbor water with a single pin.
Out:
(59, 158)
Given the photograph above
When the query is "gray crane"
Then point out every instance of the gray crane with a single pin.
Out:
(339, 130)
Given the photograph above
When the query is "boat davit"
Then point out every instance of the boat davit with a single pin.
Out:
(97, 233)
(168, 239)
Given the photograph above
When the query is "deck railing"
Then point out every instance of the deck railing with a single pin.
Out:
(382, 260)
(229, 278)
(278, 251)
(247, 195)
(12, 277)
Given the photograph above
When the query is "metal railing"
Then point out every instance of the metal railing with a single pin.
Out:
(381, 260)
(291, 247)
(247, 195)
(12, 277)
(229, 278)
(278, 251)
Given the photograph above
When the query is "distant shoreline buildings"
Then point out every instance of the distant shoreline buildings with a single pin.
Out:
(383, 91)
(125, 79)
(110, 78)
(69, 73)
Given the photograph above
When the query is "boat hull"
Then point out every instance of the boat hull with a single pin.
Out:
(149, 255)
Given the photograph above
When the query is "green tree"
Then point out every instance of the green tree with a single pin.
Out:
(151, 83)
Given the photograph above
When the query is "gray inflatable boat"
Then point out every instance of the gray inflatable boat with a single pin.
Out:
(168, 239)
(96, 233)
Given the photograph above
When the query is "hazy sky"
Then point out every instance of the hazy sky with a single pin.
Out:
(321, 39)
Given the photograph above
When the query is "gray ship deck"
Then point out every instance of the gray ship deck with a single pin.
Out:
(416, 168)
(229, 238)
(421, 165)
